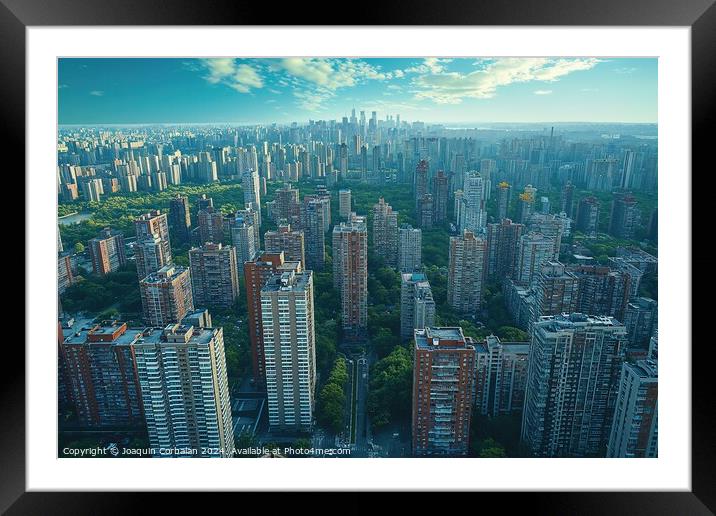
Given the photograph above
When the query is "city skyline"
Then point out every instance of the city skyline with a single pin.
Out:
(253, 91)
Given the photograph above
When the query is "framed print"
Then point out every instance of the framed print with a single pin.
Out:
(415, 256)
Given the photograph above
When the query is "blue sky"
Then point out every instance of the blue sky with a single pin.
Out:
(463, 90)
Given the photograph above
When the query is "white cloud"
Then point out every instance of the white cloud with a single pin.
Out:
(313, 100)
(444, 87)
(433, 65)
(543, 92)
(240, 77)
(316, 79)
(625, 70)
(96, 93)
(331, 74)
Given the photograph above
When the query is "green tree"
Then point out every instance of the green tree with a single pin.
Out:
(79, 247)
(390, 389)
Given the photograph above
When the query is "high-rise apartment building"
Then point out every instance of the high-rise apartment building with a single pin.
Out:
(500, 376)
(251, 186)
(107, 251)
(166, 295)
(417, 306)
(602, 290)
(243, 236)
(211, 224)
(256, 274)
(473, 213)
(315, 221)
(572, 385)
(289, 350)
(425, 211)
(534, 250)
(344, 203)
(503, 200)
(556, 290)
(466, 272)
(625, 216)
(149, 255)
(288, 241)
(214, 275)
(421, 182)
(350, 274)
(180, 217)
(410, 242)
(154, 224)
(502, 244)
(101, 374)
(185, 390)
(385, 232)
(588, 215)
(441, 187)
(634, 430)
(443, 379)
(640, 319)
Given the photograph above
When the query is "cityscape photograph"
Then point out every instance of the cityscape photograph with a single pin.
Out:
(312, 257)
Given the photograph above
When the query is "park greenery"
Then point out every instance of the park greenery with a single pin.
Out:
(332, 399)
(390, 389)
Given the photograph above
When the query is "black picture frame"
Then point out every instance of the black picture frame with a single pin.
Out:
(700, 15)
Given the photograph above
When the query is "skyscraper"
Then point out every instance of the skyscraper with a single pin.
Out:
(421, 182)
(344, 203)
(288, 241)
(440, 197)
(149, 255)
(350, 274)
(503, 200)
(640, 320)
(385, 232)
(315, 220)
(425, 211)
(107, 251)
(256, 274)
(588, 215)
(572, 385)
(634, 430)
(180, 217)
(211, 226)
(602, 290)
(417, 306)
(500, 376)
(625, 216)
(534, 250)
(214, 275)
(473, 215)
(100, 369)
(443, 379)
(289, 349)
(409, 248)
(502, 243)
(567, 201)
(154, 224)
(556, 290)
(243, 236)
(252, 190)
(166, 295)
(185, 391)
(466, 272)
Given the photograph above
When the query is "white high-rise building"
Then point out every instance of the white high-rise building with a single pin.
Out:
(289, 350)
(473, 215)
(409, 248)
(251, 185)
(417, 306)
(635, 425)
(185, 391)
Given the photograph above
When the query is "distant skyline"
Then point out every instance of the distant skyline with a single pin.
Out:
(433, 90)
